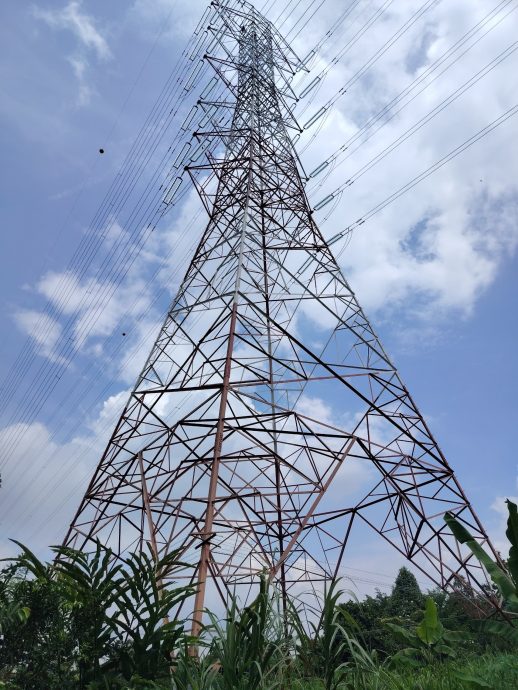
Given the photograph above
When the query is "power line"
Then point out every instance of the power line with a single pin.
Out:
(454, 95)
(67, 350)
(117, 193)
(139, 215)
(315, 85)
(386, 114)
(54, 308)
(406, 26)
(47, 381)
(426, 173)
(89, 243)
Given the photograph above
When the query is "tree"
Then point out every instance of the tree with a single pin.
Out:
(404, 603)
(87, 620)
(406, 600)
(369, 614)
(36, 649)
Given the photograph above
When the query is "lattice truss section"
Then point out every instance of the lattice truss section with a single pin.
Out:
(268, 424)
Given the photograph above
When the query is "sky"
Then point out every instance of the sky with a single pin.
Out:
(435, 270)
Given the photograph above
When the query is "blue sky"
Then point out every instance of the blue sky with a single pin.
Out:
(435, 271)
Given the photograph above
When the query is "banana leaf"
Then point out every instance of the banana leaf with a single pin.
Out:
(512, 535)
(430, 630)
(403, 634)
(500, 578)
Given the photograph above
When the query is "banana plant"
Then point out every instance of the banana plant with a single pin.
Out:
(505, 581)
(428, 641)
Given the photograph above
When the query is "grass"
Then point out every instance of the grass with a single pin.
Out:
(495, 671)
(498, 671)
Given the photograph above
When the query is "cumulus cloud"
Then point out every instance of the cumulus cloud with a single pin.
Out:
(435, 251)
(129, 293)
(46, 477)
(85, 318)
(42, 484)
(89, 38)
(29, 321)
(173, 19)
(432, 254)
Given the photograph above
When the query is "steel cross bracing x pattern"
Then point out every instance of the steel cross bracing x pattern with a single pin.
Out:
(268, 424)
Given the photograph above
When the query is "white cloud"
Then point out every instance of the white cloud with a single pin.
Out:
(434, 252)
(316, 408)
(72, 18)
(45, 478)
(109, 412)
(80, 66)
(30, 321)
(373, 564)
(91, 309)
(173, 19)
(93, 319)
(42, 485)
(90, 40)
(144, 334)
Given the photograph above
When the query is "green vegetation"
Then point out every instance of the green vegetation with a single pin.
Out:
(90, 621)
(504, 576)
(427, 642)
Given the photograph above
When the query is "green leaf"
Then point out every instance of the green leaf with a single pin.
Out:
(406, 658)
(456, 636)
(403, 634)
(502, 629)
(430, 629)
(23, 613)
(27, 559)
(445, 649)
(500, 578)
(512, 535)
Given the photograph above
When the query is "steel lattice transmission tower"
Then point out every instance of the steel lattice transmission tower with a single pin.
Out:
(268, 423)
